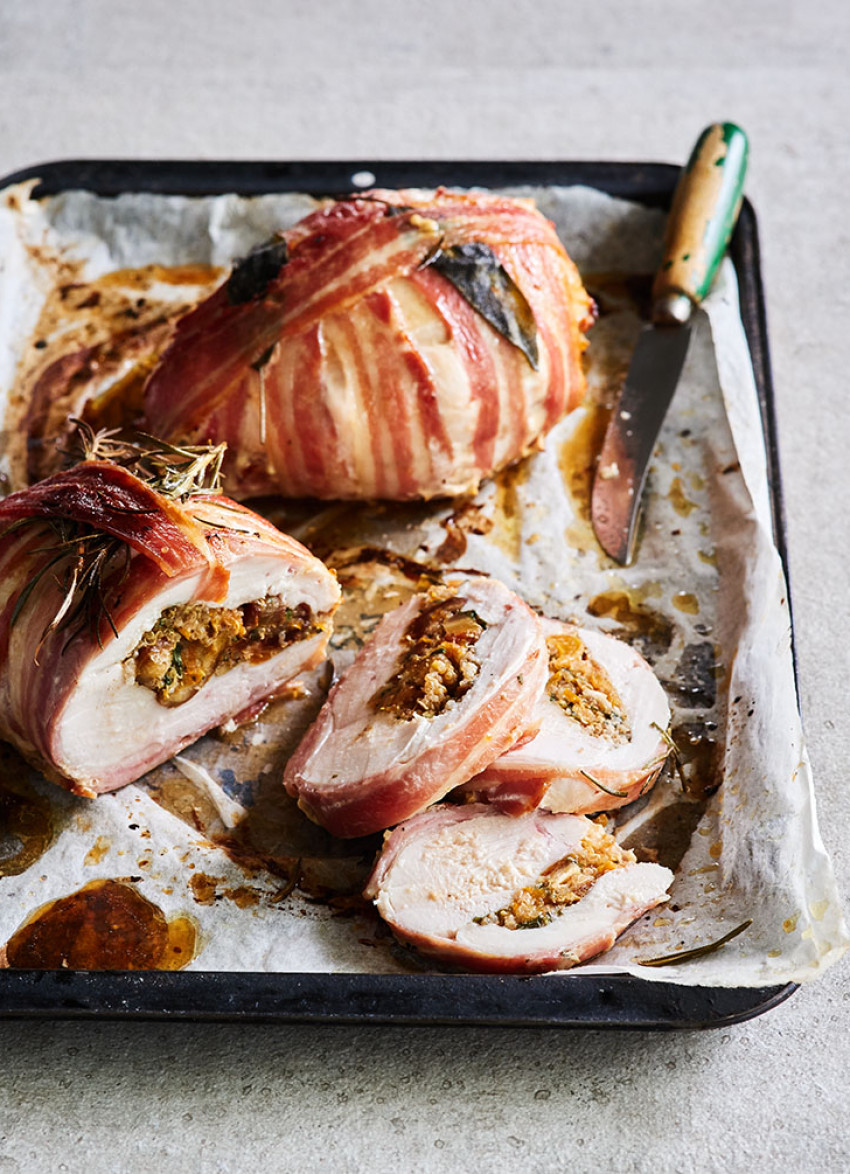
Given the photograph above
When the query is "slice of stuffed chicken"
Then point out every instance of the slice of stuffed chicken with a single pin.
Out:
(602, 740)
(446, 684)
(199, 611)
(475, 888)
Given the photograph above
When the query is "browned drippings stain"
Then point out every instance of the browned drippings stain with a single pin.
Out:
(274, 830)
(276, 839)
(206, 890)
(579, 453)
(243, 896)
(346, 524)
(204, 887)
(507, 515)
(615, 292)
(97, 851)
(698, 754)
(26, 824)
(707, 556)
(105, 925)
(123, 401)
(694, 682)
(340, 878)
(334, 525)
(148, 275)
(686, 601)
(181, 797)
(680, 503)
(666, 837)
(87, 331)
(467, 519)
(366, 561)
(638, 624)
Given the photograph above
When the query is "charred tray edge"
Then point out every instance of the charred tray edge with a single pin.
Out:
(576, 1000)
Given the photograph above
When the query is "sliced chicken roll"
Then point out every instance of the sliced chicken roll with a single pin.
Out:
(131, 623)
(602, 740)
(476, 888)
(447, 683)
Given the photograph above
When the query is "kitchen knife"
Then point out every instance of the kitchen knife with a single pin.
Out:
(705, 209)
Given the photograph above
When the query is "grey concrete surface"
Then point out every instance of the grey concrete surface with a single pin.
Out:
(627, 79)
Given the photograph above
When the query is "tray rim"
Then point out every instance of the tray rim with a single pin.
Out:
(598, 1001)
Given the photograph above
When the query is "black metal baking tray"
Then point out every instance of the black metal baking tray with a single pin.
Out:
(615, 1001)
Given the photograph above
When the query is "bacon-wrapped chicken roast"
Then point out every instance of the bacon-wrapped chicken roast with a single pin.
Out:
(396, 344)
(132, 621)
(473, 887)
(603, 735)
(447, 682)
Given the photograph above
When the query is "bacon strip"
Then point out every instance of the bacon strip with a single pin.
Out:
(360, 769)
(444, 873)
(379, 378)
(569, 767)
(69, 698)
(112, 500)
(338, 254)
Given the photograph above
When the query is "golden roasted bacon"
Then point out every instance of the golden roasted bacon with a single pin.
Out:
(98, 572)
(473, 887)
(393, 345)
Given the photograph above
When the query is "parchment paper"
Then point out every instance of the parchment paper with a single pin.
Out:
(212, 836)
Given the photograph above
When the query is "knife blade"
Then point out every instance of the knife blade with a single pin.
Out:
(702, 218)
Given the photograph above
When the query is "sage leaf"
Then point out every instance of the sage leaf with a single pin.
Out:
(477, 274)
(253, 275)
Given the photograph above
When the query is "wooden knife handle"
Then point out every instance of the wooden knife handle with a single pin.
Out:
(705, 209)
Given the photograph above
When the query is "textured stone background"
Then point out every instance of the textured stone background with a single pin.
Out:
(627, 79)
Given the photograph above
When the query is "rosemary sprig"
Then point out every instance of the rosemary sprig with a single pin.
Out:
(294, 877)
(652, 773)
(602, 787)
(667, 738)
(697, 951)
(83, 556)
(175, 471)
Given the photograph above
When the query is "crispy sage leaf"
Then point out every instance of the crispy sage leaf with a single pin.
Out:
(252, 275)
(476, 272)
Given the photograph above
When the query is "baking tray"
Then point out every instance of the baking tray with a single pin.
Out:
(616, 1001)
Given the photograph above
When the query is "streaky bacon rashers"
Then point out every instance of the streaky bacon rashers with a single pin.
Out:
(112, 500)
(360, 769)
(69, 700)
(442, 875)
(360, 371)
(568, 767)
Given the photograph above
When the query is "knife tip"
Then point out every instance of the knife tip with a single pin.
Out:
(615, 538)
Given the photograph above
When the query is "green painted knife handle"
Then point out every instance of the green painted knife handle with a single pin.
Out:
(705, 209)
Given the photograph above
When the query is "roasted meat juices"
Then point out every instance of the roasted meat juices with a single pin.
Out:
(396, 344)
(473, 887)
(132, 622)
(446, 684)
